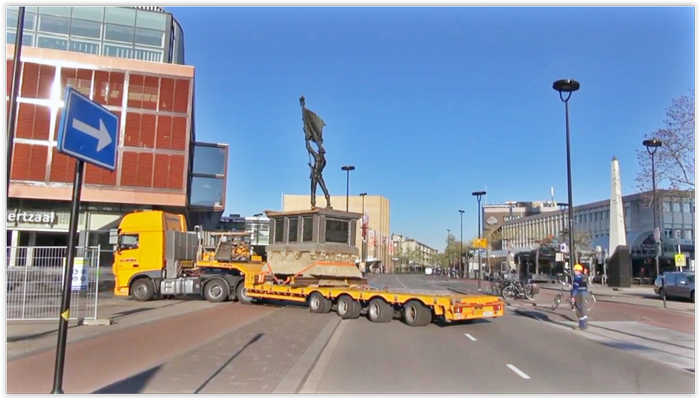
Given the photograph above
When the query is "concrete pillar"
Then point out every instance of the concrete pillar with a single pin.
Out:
(14, 241)
(617, 216)
(30, 249)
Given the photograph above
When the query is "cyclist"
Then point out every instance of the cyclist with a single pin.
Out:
(579, 290)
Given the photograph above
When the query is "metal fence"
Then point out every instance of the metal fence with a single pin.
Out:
(35, 282)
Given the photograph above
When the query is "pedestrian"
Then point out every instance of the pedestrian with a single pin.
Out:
(579, 291)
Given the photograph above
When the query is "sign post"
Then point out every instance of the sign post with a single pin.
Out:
(87, 132)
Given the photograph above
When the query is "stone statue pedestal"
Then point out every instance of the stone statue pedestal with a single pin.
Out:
(318, 244)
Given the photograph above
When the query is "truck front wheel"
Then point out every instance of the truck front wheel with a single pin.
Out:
(216, 290)
(143, 290)
(241, 296)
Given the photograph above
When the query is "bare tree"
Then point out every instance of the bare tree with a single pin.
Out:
(675, 160)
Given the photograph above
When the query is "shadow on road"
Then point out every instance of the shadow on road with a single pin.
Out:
(29, 337)
(443, 324)
(134, 384)
(235, 355)
(542, 315)
(137, 383)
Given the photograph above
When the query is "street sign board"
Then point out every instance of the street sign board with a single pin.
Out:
(680, 260)
(480, 243)
(563, 248)
(88, 131)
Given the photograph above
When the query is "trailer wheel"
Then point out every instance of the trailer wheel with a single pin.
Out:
(216, 290)
(415, 314)
(241, 296)
(347, 307)
(143, 290)
(319, 304)
(379, 311)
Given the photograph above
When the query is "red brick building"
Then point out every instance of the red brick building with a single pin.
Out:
(159, 164)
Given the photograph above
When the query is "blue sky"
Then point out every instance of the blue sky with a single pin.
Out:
(431, 104)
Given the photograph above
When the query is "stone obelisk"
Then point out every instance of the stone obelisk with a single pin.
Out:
(617, 216)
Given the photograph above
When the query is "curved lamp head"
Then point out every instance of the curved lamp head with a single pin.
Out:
(363, 194)
(566, 85)
(653, 143)
(348, 168)
(478, 193)
(461, 211)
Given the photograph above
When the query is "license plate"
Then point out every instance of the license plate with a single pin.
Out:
(488, 314)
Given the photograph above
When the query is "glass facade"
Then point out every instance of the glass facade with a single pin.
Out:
(110, 31)
(208, 173)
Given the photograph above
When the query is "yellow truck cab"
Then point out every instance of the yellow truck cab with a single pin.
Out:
(156, 256)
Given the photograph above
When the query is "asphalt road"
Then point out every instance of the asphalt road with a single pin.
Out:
(513, 354)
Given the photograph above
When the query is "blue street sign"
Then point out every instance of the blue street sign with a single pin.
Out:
(88, 131)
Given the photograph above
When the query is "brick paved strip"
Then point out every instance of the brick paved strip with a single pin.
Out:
(94, 363)
(252, 359)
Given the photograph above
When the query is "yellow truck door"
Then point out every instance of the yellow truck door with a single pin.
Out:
(126, 263)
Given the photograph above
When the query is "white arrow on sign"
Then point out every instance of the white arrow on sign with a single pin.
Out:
(101, 134)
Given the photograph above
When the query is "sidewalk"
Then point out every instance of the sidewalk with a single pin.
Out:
(28, 337)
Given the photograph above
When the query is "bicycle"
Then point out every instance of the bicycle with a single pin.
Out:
(496, 286)
(516, 289)
(589, 299)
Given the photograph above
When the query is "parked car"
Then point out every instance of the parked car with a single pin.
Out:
(677, 285)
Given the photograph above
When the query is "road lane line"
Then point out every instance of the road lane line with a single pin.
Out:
(518, 372)
(319, 368)
(397, 279)
(470, 337)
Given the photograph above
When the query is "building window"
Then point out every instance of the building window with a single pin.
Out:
(27, 39)
(307, 227)
(57, 11)
(668, 233)
(149, 37)
(52, 43)
(279, 230)
(57, 25)
(293, 235)
(679, 234)
(84, 47)
(29, 19)
(667, 206)
(116, 33)
(686, 207)
(209, 160)
(89, 13)
(150, 20)
(337, 231)
(117, 51)
(120, 16)
(688, 234)
(206, 191)
(148, 55)
(676, 207)
(92, 30)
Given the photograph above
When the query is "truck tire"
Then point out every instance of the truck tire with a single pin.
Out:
(357, 311)
(379, 311)
(415, 314)
(143, 290)
(241, 296)
(216, 290)
(319, 304)
(346, 307)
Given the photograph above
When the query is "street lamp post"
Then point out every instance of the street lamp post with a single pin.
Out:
(364, 232)
(562, 207)
(449, 253)
(478, 195)
(653, 145)
(461, 243)
(12, 119)
(257, 228)
(347, 169)
(568, 86)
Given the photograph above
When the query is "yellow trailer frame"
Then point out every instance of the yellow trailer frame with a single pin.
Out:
(449, 307)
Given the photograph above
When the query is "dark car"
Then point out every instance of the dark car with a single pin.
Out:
(677, 285)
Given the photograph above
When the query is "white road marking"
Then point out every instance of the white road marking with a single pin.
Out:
(397, 279)
(518, 372)
(470, 337)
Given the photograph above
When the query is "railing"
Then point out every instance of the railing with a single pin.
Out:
(35, 283)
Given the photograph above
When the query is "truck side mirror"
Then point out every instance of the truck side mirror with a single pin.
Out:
(113, 237)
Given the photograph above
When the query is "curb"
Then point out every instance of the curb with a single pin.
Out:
(297, 376)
